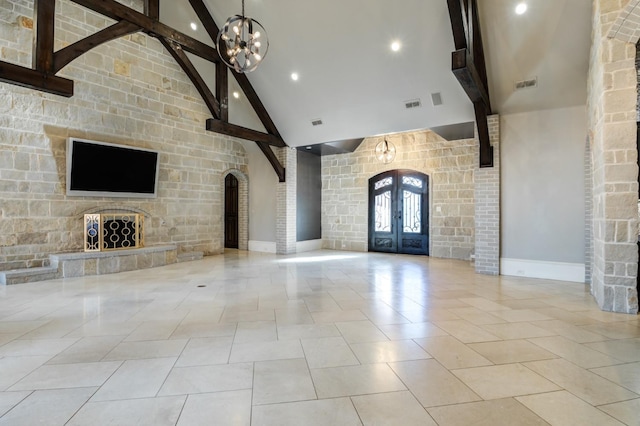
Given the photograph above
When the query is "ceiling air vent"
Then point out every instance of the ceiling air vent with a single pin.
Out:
(316, 122)
(526, 84)
(415, 103)
(436, 98)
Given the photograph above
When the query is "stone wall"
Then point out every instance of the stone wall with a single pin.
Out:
(450, 166)
(612, 136)
(128, 91)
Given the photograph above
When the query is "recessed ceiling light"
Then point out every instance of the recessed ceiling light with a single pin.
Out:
(308, 147)
(236, 95)
(295, 76)
(395, 46)
(521, 8)
(194, 26)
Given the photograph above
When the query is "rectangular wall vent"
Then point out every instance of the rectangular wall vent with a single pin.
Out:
(415, 103)
(526, 84)
(436, 98)
(316, 122)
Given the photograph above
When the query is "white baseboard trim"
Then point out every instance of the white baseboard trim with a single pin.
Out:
(262, 246)
(541, 269)
(310, 245)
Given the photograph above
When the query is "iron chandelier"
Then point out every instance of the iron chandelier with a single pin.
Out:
(242, 43)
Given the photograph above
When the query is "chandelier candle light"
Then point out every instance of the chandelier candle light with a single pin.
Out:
(242, 43)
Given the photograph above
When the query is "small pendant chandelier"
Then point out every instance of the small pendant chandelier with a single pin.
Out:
(385, 151)
(242, 43)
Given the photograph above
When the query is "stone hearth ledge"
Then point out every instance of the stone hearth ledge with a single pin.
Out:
(68, 265)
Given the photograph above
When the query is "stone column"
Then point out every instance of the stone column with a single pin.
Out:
(611, 106)
(286, 203)
(487, 207)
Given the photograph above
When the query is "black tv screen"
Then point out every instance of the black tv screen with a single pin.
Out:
(106, 170)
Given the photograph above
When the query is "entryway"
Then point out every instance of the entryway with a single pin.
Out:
(231, 236)
(399, 212)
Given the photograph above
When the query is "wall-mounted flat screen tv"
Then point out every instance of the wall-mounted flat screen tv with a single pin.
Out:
(98, 169)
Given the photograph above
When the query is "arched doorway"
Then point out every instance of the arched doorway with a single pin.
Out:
(399, 212)
(231, 196)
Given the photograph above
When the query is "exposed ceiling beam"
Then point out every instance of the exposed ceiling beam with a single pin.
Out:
(119, 12)
(271, 157)
(220, 126)
(222, 90)
(152, 8)
(468, 76)
(212, 29)
(187, 66)
(65, 55)
(34, 79)
(273, 137)
(468, 65)
(44, 21)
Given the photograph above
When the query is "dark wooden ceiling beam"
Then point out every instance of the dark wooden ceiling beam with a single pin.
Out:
(34, 79)
(457, 24)
(468, 76)
(482, 125)
(221, 126)
(212, 29)
(187, 66)
(43, 37)
(478, 49)
(225, 128)
(152, 8)
(469, 67)
(273, 160)
(64, 56)
(222, 90)
(119, 12)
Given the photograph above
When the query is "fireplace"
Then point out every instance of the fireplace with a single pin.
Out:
(113, 231)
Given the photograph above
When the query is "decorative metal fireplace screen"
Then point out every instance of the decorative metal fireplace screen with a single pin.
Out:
(105, 232)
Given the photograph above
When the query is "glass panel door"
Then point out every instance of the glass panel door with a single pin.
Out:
(398, 212)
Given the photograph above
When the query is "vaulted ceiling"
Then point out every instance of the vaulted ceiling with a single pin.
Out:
(329, 64)
(351, 79)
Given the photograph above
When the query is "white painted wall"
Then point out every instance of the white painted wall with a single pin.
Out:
(262, 198)
(542, 189)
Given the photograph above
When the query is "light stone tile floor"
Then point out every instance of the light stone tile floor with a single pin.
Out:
(320, 338)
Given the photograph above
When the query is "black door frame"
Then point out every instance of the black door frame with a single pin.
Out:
(396, 240)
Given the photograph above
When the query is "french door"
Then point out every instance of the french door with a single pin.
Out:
(398, 212)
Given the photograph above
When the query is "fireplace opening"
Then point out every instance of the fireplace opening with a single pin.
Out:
(105, 232)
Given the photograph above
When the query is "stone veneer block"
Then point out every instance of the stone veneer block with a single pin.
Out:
(73, 268)
(91, 266)
(127, 263)
(109, 262)
(144, 261)
(108, 265)
(158, 259)
(612, 114)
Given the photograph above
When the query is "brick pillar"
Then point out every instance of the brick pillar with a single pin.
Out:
(286, 203)
(611, 104)
(588, 211)
(487, 207)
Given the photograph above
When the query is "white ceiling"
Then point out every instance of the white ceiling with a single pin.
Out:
(350, 78)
